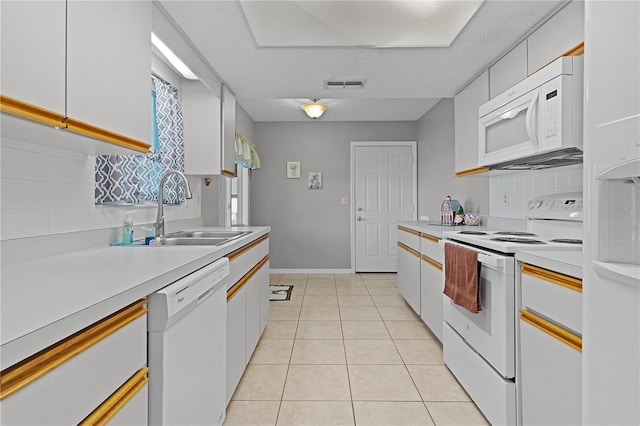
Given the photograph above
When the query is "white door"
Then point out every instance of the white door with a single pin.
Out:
(384, 176)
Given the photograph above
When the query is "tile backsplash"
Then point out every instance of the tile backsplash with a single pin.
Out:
(510, 192)
(48, 191)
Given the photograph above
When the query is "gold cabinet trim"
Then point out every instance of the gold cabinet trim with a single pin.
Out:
(40, 115)
(552, 330)
(228, 173)
(431, 238)
(409, 249)
(410, 231)
(242, 281)
(16, 377)
(110, 407)
(31, 112)
(432, 262)
(242, 249)
(99, 133)
(472, 171)
(553, 277)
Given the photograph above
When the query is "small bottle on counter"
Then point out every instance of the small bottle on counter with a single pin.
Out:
(127, 228)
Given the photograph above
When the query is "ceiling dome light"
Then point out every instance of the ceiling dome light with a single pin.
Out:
(314, 109)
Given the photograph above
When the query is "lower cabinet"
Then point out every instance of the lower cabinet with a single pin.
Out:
(247, 307)
(550, 347)
(431, 283)
(409, 266)
(97, 375)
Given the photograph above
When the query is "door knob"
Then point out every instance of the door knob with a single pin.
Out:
(360, 209)
(360, 219)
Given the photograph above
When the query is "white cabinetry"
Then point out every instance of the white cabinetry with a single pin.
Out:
(431, 283)
(247, 306)
(80, 66)
(33, 53)
(550, 347)
(109, 65)
(509, 70)
(466, 105)
(409, 266)
(201, 115)
(561, 33)
(228, 132)
(86, 378)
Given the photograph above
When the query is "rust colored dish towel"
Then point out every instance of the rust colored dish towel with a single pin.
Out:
(461, 281)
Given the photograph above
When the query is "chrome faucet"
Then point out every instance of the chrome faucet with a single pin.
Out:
(159, 225)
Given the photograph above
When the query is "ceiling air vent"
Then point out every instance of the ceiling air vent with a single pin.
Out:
(343, 84)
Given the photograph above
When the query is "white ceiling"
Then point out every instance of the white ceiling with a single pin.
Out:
(401, 84)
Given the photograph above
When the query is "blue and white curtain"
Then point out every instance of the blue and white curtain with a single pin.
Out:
(134, 179)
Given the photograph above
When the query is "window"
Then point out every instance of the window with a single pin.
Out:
(135, 179)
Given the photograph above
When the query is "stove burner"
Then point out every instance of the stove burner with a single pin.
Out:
(566, 241)
(472, 232)
(523, 234)
(518, 240)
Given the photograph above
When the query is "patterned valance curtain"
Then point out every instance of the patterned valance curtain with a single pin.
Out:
(134, 179)
(246, 154)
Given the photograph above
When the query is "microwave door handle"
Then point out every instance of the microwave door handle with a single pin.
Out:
(529, 121)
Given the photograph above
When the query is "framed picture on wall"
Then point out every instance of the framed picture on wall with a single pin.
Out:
(293, 170)
(315, 180)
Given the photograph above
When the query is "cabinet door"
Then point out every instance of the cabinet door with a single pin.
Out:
(253, 313)
(431, 287)
(33, 52)
(228, 131)
(509, 70)
(466, 105)
(409, 276)
(236, 339)
(561, 33)
(109, 65)
(264, 296)
(201, 110)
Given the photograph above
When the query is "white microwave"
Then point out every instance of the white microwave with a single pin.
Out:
(538, 122)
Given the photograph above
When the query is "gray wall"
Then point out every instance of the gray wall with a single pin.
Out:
(436, 166)
(310, 228)
(244, 123)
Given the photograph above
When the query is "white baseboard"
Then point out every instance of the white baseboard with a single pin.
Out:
(311, 271)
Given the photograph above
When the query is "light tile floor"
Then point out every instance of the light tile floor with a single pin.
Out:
(347, 350)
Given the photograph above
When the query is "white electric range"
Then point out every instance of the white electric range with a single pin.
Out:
(479, 348)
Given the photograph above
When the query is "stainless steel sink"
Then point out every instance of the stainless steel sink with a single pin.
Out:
(200, 238)
(208, 234)
(193, 241)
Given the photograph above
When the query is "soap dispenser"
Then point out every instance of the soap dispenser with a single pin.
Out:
(127, 228)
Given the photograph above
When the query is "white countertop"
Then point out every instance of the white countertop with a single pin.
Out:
(47, 299)
(567, 262)
(434, 228)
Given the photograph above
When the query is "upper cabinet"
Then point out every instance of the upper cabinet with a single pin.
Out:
(466, 105)
(561, 33)
(509, 70)
(109, 65)
(33, 53)
(201, 109)
(228, 132)
(83, 67)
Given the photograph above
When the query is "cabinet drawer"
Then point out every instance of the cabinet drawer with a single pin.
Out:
(555, 296)
(429, 247)
(409, 238)
(242, 260)
(67, 381)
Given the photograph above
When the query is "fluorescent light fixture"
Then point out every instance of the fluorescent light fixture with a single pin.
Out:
(173, 59)
(314, 109)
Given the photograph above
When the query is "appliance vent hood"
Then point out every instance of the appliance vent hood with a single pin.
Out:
(547, 160)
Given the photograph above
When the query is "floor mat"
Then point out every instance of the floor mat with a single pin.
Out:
(280, 292)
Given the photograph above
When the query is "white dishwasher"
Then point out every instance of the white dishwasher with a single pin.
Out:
(187, 354)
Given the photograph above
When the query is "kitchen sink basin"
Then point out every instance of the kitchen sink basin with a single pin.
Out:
(193, 241)
(207, 234)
